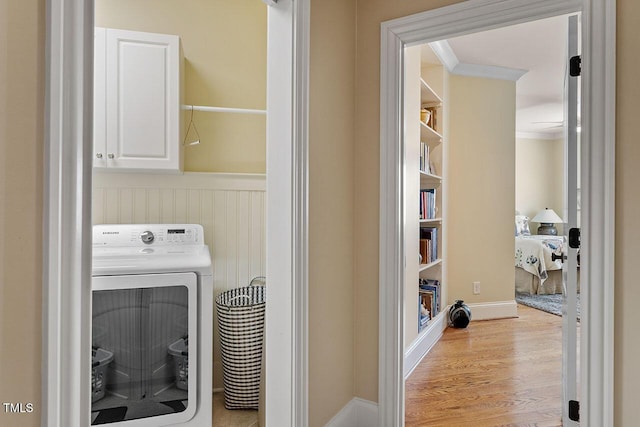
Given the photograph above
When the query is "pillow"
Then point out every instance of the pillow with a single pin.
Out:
(522, 225)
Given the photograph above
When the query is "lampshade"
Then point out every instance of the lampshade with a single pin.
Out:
(547, 216)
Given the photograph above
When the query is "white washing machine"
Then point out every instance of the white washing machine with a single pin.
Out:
(152, 326)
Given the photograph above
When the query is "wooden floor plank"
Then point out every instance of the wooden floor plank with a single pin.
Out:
(493, 373)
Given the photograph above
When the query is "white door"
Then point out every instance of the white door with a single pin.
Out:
(99, 98)
(143, 100)
(570, 358)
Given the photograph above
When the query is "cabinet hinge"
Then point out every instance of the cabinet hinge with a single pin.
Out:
(575, 66)
(574, 410)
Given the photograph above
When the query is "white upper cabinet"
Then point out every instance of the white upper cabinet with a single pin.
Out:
(137, 101)
(99, 99)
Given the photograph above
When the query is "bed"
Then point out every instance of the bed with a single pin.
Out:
(536, 271)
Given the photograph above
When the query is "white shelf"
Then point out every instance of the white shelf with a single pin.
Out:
(428, 96)
(209, 109)
(428, 179)
(429, 135)
(430, 221)
(424, 267)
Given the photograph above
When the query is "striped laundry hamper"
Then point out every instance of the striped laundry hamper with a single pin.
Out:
(241, 324)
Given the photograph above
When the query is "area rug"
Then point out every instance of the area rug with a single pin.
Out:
(549, 303)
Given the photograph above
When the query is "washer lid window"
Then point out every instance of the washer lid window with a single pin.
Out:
(146, 327)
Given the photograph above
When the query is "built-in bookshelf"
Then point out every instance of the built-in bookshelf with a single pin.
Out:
(429, 288)
(425, 219)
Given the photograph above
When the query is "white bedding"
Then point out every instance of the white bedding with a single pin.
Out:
(533, 254)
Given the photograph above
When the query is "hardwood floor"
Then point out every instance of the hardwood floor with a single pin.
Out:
(493, 373)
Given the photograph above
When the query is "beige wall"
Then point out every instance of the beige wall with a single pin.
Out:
(481, 188)
(539, 176)
(627, 270)
(331, 208)
(367, 189)
(225, 50)
(22, 33)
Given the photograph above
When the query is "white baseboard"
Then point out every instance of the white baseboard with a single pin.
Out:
(357, 413)
(424, 342)
(493, 310)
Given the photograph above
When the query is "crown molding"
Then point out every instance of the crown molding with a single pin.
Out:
(489, 72)
(448, 58)
(445, 54)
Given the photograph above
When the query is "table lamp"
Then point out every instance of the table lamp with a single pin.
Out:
(547, 218)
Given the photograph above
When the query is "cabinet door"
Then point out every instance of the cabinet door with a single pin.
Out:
(143, 103)
(99, 99)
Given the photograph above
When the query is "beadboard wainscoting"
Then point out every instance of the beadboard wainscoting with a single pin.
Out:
(230, 207)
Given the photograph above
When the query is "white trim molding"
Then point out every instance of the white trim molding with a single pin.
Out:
(357, 413)
(489, 72)
(598, 136)
(447, 56)
(493, 310)
(425, 342)
(67, 221)
(598, 111)
(300, 198)
(187, 180)
(287, 214)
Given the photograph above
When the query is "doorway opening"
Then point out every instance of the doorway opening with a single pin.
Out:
(67, 253)
(180, 138)
(465, 18)
(484, 96)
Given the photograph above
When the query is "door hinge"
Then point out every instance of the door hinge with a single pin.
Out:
(574, 410)
(575, 67)
(574, 238)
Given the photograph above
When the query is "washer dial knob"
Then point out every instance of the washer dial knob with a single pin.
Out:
(147, 237)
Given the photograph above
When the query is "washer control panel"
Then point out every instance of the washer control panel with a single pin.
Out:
(124, 235)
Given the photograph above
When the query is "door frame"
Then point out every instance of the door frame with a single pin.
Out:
(597, 181)
(67, 213)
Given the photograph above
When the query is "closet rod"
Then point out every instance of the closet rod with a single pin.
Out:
(223, 109)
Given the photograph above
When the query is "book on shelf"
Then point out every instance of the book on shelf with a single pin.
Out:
(433, 117)
(428, 203)
(425, 160)
(426, 302)
(432, 285)
(428, 244)
(424, 316)
(425, 249)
